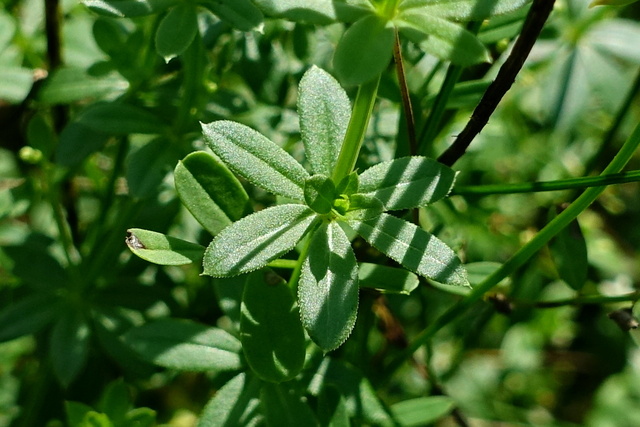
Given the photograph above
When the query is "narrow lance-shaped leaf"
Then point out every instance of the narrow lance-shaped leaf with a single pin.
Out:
(387, 279)
(237, 403)
(176, 30)
(257, 239)
(319, 193)
(324, 110)
(270, 330)
(442, 38)
(240, 14)
(414, 248)
(256, 158)
(284, 407)
(364, 50)
(69, 346)
(162, 249)
(185, 345)
(128, 8)
(462, 10)
(407, 182)
(328, 288)
(212, 194)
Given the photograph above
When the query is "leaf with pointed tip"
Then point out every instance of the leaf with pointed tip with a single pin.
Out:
(324, 110)
(212, 194)
(240, 14)
(256, 158)
(128, 8)
(177, 30)
(257, 239)
(237, 403)
(387, 279)
(442, 38)
(162, 249)
(407, 182)
(328, 288)
(270, 329)
(414, 248)
(462, 10)
(185, 346)
(364, 51)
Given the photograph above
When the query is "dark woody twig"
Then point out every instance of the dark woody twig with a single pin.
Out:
(535, 20)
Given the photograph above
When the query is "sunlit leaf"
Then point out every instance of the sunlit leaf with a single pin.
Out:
(422, 411)
(328, 288)
(324, 110)
(256, 158)
(161, 249)
(256, 239)
(414, 248)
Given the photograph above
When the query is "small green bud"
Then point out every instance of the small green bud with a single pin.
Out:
(30, 155)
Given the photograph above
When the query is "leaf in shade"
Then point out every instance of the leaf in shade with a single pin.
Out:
(185, 346)
(364, 50)
(270, 329)
(414, 248)
(462, 10)
(70, 84)
(257, 239)
(237, 403)
(128, 8)
(422, 411)
(387, 279)
(42, 308)
(116, 118)
(69, 346)
(212, 194)
(442, 38)
(569, 251)
(285, 407)
(328, 288)
(319, 193)
(177, 30)
(162, 249)
(240, 14)
(256, 158)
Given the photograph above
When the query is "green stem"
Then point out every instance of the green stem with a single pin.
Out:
(581, 300)
(522, 255)
(362, 108)
(295, 274)
(562, 184)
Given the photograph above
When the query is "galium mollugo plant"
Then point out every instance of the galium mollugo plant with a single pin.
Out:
(323, 207)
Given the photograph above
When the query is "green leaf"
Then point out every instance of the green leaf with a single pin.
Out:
(66, 85)
(15, 83)
(364, 50)
(116, 401)
(177, 30)
(414, 248)
(422, 411)
(256, 239)
(212, 194)
(349, 184)
(240, 14)
(235, 404)
(361, 400)
(462, 10)
(76, 142)
(46, 274)
(321, 12)
(364, 207)
(332, 408)
(161, 249)
(569, 251)
(442, 38)
(69, 346)
(387, 279)
(324, 110)
(319, 193)
(147, 166)
(270, 330)
(28, 315)
(185, 346)
(328, 288)
(285, 407)
(140, 417)
(128, 8)
(7, 29)
(76, 412)
(115, 118)
(256, 158)
(407, 182)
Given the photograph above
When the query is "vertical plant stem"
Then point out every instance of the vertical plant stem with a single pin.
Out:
(536, 18)
(362, 108)
(522, 255)
(52, 29)
(406, 98)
